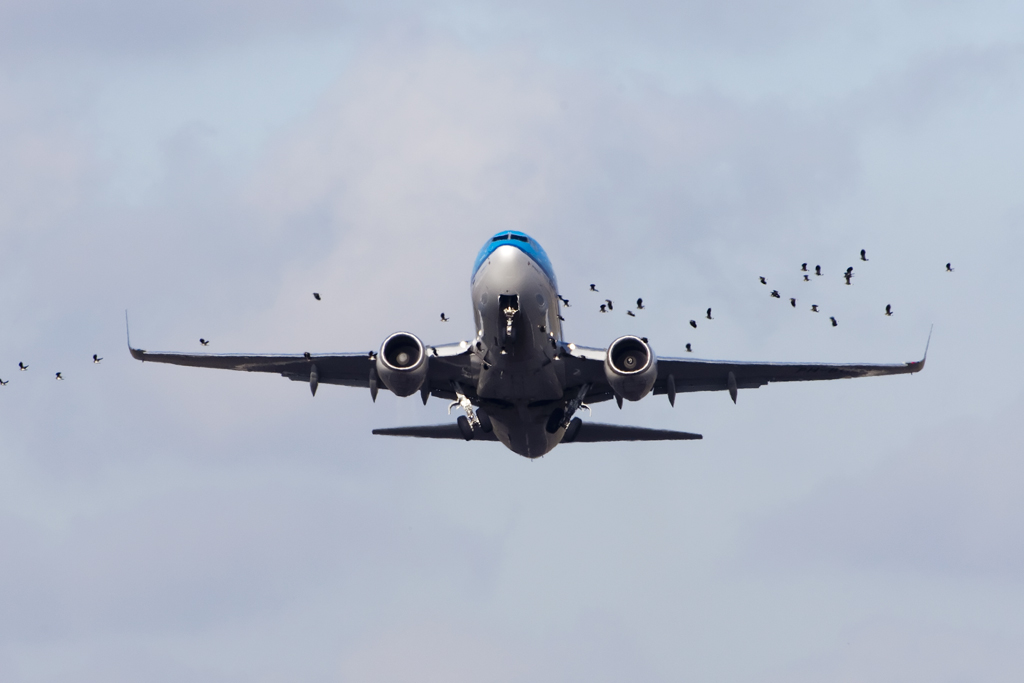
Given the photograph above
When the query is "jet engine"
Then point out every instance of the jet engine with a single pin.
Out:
(402, 363)
(630, 367)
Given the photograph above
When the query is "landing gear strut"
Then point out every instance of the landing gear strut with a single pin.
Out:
(562, 417)
(472, 420)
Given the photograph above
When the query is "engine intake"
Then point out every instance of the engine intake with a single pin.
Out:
(630, 367)
(402, 363)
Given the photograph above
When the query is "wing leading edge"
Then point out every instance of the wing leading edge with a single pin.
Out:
(588, 432)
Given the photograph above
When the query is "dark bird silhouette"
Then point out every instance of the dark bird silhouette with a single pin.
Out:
(307, 355)
(59, 377)
(688, 349)
(561, 318)
(814, 308)
(833, 319)
(763, 281)
(604, 308)
(204, 342)
(565, 302)
(3, 383)
(96, 359)
(888, 309)
(849, 271)
(792, 302)
(593, 288)
(803, 267)
(444, 319)
(22, 366)
(693, 324)
(863, 255)
(775, 294)
(807, 278)
(817, 270)
(316, 295)
(631, 314)
(609, 302)
(639, 304)
(708, 316)
(847, 275)
(949, 267)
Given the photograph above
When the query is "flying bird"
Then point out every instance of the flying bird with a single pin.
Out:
(763, 281)
(814, 308)
(3, 383)
(803, 267)
(817, 270)
(561, 318)
(693, 324)
(949, 267)
(96, 358)
(775, 294)
(631, 314)
(444, 319)
(604, 308)
(688, 349)
(863, 255)
(593, 288)
(609, 302)
(59, 377)
(565, 302)
(316, 295)
(888, 309)
(847, 275)
(639, 304)
(807, 278)
(204, 342)
(709, 315)
(833, 319)
(22, 366)
(792, 302)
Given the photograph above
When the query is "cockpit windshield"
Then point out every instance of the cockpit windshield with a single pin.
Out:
(521, 241)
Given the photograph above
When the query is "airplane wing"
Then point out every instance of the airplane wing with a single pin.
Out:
(678, 375)
(447, 362)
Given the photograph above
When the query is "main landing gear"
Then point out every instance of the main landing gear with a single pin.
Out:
(472, 420)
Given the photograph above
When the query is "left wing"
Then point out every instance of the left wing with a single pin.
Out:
(448, 362)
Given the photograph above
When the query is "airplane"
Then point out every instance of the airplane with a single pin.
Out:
(518, 381)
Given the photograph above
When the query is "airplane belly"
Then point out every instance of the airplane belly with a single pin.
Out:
(522, 430)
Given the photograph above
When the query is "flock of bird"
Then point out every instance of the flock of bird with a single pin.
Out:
(607, 307)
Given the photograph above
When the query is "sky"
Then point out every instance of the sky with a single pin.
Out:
(206, 166)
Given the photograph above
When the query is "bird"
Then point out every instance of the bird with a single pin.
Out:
(708, 316)
(22, 366)
(639, 304)
(803, 267)
(763, 281)
(307, 355)
(609, 302)
(888, 309)
(593, 288)
(688, 349)
(693, 324)
(204, 342)
(59, 377)
(863, 255)
(949, 267)
(631, 314)
(847, 275)
(849, 271)
(316, 295)
(565, 302)
(775, 294)
(817, 270)
(807, 278)
(444, 319)
(561, 318)
(3, 383)
(96, 358)
(604, 309)
(814, 308)
(792, 302)
(833, 319)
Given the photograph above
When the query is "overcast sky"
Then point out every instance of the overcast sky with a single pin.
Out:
(208, 164)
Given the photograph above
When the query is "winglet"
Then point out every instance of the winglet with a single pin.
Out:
(919, 365)
(136, 353)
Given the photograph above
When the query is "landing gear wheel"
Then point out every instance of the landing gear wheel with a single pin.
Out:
(573, 430)
(555, 421)
(485, 421)
(465, 428)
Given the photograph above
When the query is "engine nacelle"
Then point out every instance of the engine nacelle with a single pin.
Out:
(402, 363)
(631, 367)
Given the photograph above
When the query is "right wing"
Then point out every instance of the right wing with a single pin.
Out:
(587, 432)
